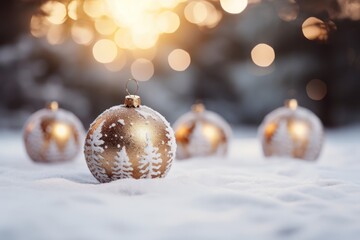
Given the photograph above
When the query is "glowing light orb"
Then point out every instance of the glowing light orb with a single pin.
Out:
(61, 131)
(104, 51)
(167, 22)
(142, 69)
(56, 12)
(234, 6)
(105, 26)
(263, 55)
(82, 34)
(314, 29)
(72, 10)
(179, 60)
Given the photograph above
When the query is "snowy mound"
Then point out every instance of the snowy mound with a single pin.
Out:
(242, 197)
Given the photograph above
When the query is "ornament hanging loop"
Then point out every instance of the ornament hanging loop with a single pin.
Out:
(127, 88)
(132, 100)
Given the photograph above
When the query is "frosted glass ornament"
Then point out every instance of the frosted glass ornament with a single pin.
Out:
(291, 131)
(53, 135)
(201, 133)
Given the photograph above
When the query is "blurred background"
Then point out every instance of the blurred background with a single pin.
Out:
(242, 58)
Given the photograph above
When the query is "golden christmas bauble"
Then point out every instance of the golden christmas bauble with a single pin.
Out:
(129, 141)
(201, 133)
(291, 131)
(53, 135)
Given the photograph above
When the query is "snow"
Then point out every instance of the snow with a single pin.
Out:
(145, 112)
(244, 196)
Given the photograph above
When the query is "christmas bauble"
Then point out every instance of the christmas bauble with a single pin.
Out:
(129, 141)
(291, 131)
(53, 135)
(201, 133)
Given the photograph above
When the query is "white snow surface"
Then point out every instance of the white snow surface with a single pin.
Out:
(244, 196)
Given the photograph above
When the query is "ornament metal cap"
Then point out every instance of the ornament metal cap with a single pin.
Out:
(132, 100)
(198, 108)
(291, 103)
(53, 106)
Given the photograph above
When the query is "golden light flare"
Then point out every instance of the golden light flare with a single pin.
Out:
(38, 27)
(82, 34)
(195, 12)
(316, 89)
(105, 26)
(312, 28)
(179, 60)
(213, 18)
(233, 6)
(270, 129)
(55, 12)
(61, 131)
(202, 13)
(72, 10)
(123, 39)
(298, 130)
(211, 132)
(167, 22)
(55, 34)
(110, 26)
(95, 8)
(137, 25)
(263, 55)
(104, 51)
(169, 3)
(144, 40)
(142, 69)
(316, 29)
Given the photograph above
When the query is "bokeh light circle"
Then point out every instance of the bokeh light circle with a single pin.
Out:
(142, 69)
(179, 60)
(316, 89)
(234, 6)
(263, 55)
(104, 51)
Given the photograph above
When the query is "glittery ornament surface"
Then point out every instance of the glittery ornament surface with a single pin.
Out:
(130, 142)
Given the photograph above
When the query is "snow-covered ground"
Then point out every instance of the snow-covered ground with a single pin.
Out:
(244, 196)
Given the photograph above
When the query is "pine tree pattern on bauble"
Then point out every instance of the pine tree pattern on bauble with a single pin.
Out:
(282, 142)
(150, 162)
(122, 167)
(94, 150)
(199, 144)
